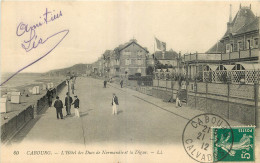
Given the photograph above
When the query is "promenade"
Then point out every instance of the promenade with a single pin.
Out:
(141, 118)
(143, 122)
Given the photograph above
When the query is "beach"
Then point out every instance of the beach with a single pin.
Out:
(22, 83)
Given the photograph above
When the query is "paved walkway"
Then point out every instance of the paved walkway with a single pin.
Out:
(142, 120)
(137, 112)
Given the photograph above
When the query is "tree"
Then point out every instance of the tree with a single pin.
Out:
(149, 70)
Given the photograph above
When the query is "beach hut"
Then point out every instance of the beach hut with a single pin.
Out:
(30, 90)
(3, 106)
(8, 95)
(16, 97)
(36, 90)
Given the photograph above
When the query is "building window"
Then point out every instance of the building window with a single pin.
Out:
(139, 62)
(240, 45)
(116, 62)
(256, 42)
(132, 61)
(127, 62)
(227, 48)
(248, 44)
(235, 48)
(231, 47)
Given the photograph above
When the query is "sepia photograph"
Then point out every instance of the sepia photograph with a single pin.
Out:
(129, 81)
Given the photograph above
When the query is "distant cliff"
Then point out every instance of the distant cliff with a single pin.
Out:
(77, 69)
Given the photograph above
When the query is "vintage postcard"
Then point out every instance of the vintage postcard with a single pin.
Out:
(130, 81)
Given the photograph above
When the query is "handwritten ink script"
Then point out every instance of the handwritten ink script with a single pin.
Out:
(34, 40)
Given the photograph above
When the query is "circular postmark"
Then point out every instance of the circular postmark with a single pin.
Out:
(199, 139)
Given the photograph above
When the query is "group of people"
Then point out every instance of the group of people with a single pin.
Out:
(58, 104)
(105, 83)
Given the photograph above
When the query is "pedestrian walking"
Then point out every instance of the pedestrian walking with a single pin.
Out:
(121, 83)
(49, 95)
(58, 105)
(76, 106)
(114, 104)
(105, 83)
(72, 87)
(68, 102)
(178, 99)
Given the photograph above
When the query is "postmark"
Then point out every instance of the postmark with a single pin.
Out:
(243, 144)
(197, 137)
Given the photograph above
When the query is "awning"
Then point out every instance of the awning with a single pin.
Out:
(251, 66)
(212, 67)
(229, 67)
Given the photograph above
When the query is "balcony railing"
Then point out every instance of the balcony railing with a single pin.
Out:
(242, 54)
(202, 57)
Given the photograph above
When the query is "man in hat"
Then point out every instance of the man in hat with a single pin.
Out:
(121, 83)
(49, 95)
(68, 102)
(105, 83)
(76, 106)
(114, 104)
(58, 105)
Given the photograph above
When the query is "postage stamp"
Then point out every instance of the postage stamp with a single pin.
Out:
(239, 148)
(197, 140)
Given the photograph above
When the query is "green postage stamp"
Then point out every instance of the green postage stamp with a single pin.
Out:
(233, 144)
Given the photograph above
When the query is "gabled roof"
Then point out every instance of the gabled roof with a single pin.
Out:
(168, 55)
(254, 25)
(133, 41)
(243, 17)
(217, 48)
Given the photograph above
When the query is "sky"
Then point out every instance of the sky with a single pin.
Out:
(97, 26)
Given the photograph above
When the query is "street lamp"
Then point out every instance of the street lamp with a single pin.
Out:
(68, 80)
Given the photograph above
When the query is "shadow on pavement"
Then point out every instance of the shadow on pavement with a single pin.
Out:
(120, 111)
(82, 115)
(27, 128)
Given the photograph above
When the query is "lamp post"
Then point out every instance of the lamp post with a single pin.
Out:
(68, 80)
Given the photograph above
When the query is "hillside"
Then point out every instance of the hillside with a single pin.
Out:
(77, 69)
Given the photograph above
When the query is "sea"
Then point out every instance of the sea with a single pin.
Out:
(21, 79)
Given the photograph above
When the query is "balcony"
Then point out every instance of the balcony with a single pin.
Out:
(242, 55)
(202, 57)
(250, 54)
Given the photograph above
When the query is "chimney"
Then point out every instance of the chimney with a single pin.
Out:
(240, 6)
(250, 6)
(230, 14)
(229, 24)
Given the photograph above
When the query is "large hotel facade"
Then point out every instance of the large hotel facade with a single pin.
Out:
(234, 57)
